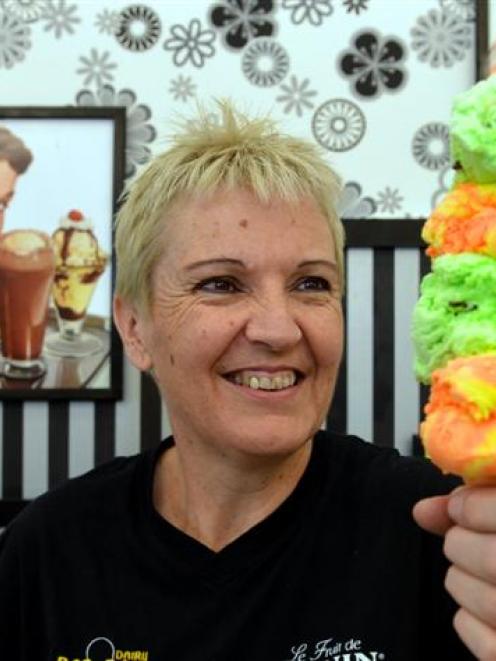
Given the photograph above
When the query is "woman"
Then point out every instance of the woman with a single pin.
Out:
(249, 534)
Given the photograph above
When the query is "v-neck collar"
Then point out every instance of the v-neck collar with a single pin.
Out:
(194, 558)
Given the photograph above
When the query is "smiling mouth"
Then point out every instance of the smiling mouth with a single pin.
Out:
(255, 381)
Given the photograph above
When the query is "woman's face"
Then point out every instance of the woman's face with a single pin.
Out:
(245, 331)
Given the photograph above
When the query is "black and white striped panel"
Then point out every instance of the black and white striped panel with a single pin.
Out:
(376, 396)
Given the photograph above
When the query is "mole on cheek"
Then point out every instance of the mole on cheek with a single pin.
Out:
(171, 358)
(243, 223)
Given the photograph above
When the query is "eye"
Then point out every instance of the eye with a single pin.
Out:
(313, 283)
(218, 285)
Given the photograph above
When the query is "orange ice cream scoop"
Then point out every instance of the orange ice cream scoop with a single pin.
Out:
(464, 221)
(459, 432)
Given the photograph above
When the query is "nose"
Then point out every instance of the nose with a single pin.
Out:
(273, 324)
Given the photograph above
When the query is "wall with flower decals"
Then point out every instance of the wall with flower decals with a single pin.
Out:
(371, 81)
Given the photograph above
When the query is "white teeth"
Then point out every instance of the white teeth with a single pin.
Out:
(254, 383)
(265, 383)
(279, 382)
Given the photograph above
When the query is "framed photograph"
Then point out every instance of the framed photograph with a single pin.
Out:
(61, 173)
(413, 150)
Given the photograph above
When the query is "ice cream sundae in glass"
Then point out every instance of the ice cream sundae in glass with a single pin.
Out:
(79, 263)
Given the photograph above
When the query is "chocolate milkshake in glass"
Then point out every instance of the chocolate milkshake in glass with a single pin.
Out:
(27, 267)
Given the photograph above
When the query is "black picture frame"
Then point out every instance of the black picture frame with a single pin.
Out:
(406, 232)
(79, 151)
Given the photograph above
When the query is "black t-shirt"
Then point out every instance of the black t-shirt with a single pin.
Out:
(339, 571)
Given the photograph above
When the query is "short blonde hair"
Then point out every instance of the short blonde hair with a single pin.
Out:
(235, 152)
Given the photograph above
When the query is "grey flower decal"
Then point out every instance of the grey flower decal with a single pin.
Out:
(240, 21)
(14, 40)
(465, 9)
(25, 10)
(338, 125)
(296, 96)
(96, 67)
(190, 44)
(430, 145)
(312, 11)
(108, 22)
(139, 28)
(265, 62)
(389, 200)
(352, 205)
(182, 88)
(445, 180)
(356, 6)
(374, 64)
(139, 133)
(440, 38)
(60, 17)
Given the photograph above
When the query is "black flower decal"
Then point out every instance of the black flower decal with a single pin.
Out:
(265, 63)
(240, 21)
(139, 28)
(338, 125)
(430, 146)
(374, 64)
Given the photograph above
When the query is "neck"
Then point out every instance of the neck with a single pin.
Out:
(215, 499)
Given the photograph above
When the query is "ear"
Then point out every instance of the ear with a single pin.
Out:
(130, 326)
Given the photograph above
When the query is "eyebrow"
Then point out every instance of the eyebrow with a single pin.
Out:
(212, 262)
(319, 262)
(238, 262)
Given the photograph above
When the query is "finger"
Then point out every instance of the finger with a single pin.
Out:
(474, 508)
(472, 552)
(477, 636)
(475, 596)
(431, 514)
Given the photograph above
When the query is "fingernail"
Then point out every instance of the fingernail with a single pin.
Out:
(455, 506)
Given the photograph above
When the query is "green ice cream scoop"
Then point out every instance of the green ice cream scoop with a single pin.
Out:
(473, 133)
(456, 312)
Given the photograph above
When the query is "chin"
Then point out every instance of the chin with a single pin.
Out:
(273, 440)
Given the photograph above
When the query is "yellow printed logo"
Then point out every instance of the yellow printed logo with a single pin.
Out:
(103, 649)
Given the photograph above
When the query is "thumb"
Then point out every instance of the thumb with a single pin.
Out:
(431, 514)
